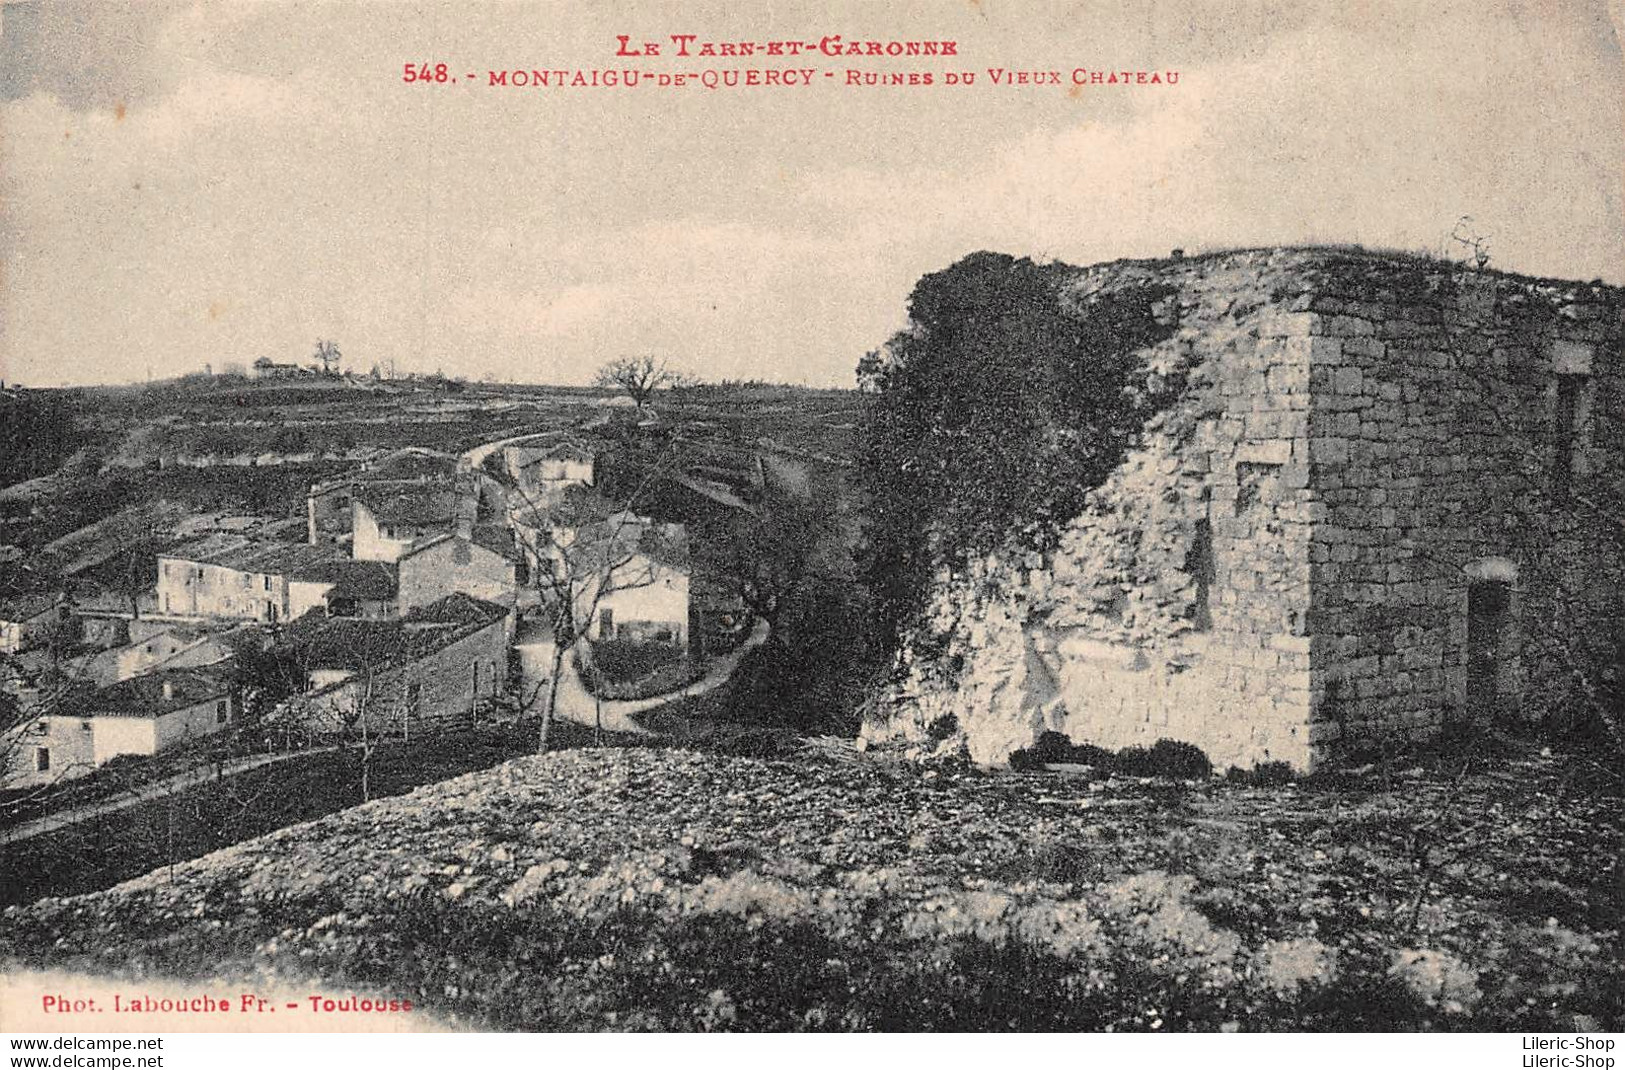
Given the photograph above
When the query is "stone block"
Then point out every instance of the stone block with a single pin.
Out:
(1316, 349)
(1571, 358)
(1328, 450)
(1366, 348)
(1347, 327)
(1276, 323)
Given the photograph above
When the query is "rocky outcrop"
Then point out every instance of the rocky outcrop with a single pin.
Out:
(656, 889)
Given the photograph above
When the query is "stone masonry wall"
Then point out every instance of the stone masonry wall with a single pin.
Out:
(1438, 459)
(436, 690)
(1279, 570)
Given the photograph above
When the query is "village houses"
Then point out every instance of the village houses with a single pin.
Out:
(176, 646)
(434, 665)
(548, 469)
(231, 577)
(329, 511)
(145, 715)
(636, 580)
(398, 609)
(266, 368)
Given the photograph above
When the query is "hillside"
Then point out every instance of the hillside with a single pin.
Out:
(665, 889)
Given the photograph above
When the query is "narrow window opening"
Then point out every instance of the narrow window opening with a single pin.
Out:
(1199, 564)
(1567, 427)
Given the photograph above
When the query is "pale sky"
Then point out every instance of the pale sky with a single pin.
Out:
(215, 182)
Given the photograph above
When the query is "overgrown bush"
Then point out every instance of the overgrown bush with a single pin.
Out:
(1265, 775)
(624, 669)
(995, 413)
(620, 660)
(1165, 758)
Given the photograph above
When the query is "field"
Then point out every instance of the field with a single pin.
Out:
(224, 445)
(666, 889)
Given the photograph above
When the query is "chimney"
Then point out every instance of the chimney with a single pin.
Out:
(169, 691)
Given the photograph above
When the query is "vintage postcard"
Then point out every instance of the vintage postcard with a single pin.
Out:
(985, 517)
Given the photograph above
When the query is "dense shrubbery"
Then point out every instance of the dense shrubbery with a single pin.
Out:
(995, 413)
(620, 660)
(817, 669)
(1166, 757)
(626, 669)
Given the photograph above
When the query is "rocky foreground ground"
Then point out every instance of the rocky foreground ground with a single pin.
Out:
(667, 889)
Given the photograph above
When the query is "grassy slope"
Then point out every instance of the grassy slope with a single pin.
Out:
(668, 889)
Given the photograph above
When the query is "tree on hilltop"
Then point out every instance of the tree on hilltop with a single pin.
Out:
(327, 354)
(640, 377)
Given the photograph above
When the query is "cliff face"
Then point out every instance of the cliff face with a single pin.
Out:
(1283, 563)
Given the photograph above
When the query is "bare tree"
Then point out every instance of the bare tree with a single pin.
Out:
(767, 557)
(1475, 243)
(22, 727)
(585, 549)
(640, 377)
(327, 354)
(365, 708)
(17, 741)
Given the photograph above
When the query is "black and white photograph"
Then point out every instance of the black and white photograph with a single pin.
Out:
(998, 518)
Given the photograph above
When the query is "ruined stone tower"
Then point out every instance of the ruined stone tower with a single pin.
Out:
(1390, 498)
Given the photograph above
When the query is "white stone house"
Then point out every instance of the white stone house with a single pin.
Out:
(266, 368)
(145, 715)
(388, 522)
(646, 598)
(479, 560)
(549, 469)
(646, 601)
(229, 577)
(175, 647)
(366, 589)
(329, 515)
